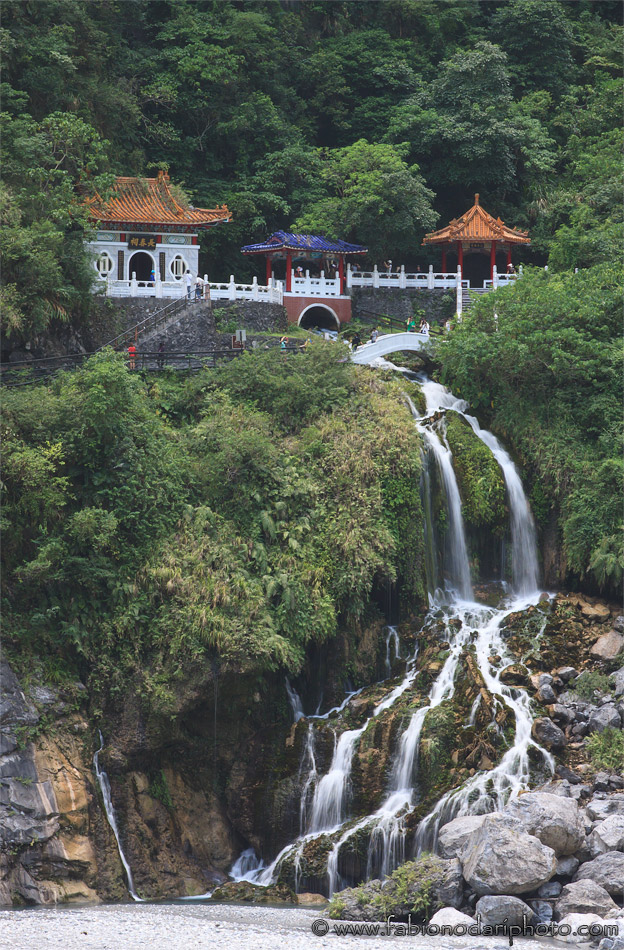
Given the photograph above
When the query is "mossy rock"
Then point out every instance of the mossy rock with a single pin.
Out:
(480, 480)
(247, 893)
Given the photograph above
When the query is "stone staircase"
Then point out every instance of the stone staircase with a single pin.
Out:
(467, 296)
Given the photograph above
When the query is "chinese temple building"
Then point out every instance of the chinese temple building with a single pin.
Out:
(485, 240)
(314, 273)
(144, 230)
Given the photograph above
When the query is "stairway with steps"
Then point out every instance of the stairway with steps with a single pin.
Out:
(467, 296)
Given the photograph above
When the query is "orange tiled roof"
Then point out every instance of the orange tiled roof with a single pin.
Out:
(149, 201)
(477, 225)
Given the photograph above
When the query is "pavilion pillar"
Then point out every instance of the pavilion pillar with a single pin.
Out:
(268, 269)
(460, 255)
(341, 274)
(492, 259)
(444, 260)
(508, 256)
(288, 271)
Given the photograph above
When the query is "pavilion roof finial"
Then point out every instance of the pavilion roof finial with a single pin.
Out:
(477, 198)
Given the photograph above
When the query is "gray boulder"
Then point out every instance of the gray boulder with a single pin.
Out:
(547, 734)
(572, 922)
(546, 694)
(608, 646)
(618, 678)
(497, 859)
(454, 835)
(555, 820)
(608, 835)
(550, 889)
(495, 909)
(450, 917)
(618, 624)
(542, 910)
(607, 717)
(607, 870)
(567, 866)
(599, 808)
(584, 897)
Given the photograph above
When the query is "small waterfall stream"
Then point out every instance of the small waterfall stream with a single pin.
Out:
(464, 621)
(105, 789)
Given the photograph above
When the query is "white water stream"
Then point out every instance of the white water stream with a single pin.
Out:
(465, 621)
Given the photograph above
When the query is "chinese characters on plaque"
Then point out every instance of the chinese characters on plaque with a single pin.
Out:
(145, 242)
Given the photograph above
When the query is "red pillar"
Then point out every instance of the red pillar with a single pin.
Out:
(288, 271)
(444, 260)
(492, 259)
(268, 269)
(460, 255)
(341, 273)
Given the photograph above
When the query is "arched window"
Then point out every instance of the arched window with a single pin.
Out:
(104, 264)
(179, 267)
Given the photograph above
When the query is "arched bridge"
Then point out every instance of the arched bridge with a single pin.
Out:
(390, 343)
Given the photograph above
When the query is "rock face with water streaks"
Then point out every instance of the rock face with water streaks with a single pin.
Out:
(498, 859)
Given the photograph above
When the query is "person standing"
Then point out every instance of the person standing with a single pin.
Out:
(189, 284)
(199, 287)
(355, 342)
(388, 265)
(132, 352)
(374, 335)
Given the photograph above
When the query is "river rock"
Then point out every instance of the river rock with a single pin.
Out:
(599, 808)
(454, 835)
(495, 909)
(607, 717)
(606, 870)
(573, 922)
(546, 694)
(608, 646)
(546, 733)
(542, 910)
(608, 835)
(618, 679)
(497, 859)
(567, 866)
(584, 897)
(595, 613)
(566, 673)
(450, 917)
(311, 900)
(555, 820)
(550, 889)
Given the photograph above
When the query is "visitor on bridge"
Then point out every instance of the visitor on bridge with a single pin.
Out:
(424, 327)
(388, 266)
(132, 352)
(355, 342)
(189, 284)
(152, 276)
(374, 335)
(410, 325)
(199, 287)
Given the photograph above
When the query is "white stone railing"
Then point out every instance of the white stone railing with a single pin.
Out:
(430, 280)
(177, 288)
(315, 286)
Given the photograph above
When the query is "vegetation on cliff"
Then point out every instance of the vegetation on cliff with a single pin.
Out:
(234, 516)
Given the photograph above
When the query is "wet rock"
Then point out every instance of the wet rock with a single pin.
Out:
(542, 910)
(498, 859)
(595, 613)
(15, 709)
(607, 717)
(608, 646)
(451, 917)
(546, 733)
(555, 820)
(515, 675)
(495, 909)
(567, 866)
(546, 695)
(572, 923)
(311, 900)
(608, 835)
(584, 897)
(561, 713)
(549, 889)
(607, 870)
(245, 892)
(566, 673)
(454, 835)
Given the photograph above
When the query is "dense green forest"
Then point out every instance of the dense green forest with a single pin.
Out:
(210, 507)
(372, 121)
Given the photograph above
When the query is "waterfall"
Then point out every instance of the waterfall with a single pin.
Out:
(392, 637)
(465, 621)
(295, 702)
(105, 789)
(245, 865)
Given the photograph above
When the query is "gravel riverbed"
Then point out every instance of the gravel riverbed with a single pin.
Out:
(203, 926)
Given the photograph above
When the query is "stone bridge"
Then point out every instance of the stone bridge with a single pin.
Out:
(388, 344)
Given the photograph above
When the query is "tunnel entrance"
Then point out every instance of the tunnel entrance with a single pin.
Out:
(319, 318)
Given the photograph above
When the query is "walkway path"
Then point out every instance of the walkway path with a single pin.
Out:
(390, 343)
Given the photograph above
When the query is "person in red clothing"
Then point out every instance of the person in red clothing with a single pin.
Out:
(132, 352)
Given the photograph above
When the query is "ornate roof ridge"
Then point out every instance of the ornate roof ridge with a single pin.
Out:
(149, 201)
(477, 225)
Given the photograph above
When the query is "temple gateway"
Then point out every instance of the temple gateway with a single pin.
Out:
(477, 243)
(144, 233)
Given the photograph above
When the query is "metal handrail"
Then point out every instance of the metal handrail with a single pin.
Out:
(151, 322)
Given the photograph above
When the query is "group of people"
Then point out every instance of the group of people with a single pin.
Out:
(199, 286)
(423, 328)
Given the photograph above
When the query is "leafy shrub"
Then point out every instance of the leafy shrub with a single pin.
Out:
(585, 684)
(606, 750)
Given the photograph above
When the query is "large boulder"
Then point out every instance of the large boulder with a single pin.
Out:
(555, 820)
(572, 923)
(606, 870)
(450, 917)
(606, 717)
(595, 613)
(497, 859)
(502, 909)
(547, 734)
(584, 897)
(599, 808)
(608, 646)
(454, 835)
(608, 835)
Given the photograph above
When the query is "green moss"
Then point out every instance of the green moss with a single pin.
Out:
(479, 477)
(159, 790)
(587, 683)
(606, 750)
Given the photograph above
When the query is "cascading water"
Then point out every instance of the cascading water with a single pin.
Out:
(105, 789)
(392, 637)
(295, 702)
(464, 621)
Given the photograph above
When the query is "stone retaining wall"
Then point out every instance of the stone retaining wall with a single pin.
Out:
(437, 304)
